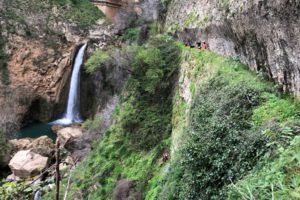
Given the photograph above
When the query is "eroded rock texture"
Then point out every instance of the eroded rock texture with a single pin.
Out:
(263, 33)
(40, 45)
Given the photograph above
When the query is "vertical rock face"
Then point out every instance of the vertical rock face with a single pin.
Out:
(39, 43)
(264, 34)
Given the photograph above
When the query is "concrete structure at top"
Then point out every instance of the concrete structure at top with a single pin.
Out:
(111, 7)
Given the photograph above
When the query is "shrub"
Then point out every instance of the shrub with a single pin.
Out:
(236, 126)
(15, 190)
(146, 112)
(220, 148)
(93, 124)
(277, 180)
(96, 60)
(131, 34)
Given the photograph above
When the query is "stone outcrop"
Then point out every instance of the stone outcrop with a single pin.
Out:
(20, 144)
(56, 128)
(76, 141)
(126, 190)
(67, 134)
(13, 177)
(42, 145)
(263, 34)
(27, 163)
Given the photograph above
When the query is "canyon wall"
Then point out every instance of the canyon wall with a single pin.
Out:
(40, 42)
(263, 34)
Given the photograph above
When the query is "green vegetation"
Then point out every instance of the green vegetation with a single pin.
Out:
(82, 12)
(277, 180)
(96, 60)
(131, 34)
(15, 190)
(229, 133)
(134, 144)
(237, 140)
(190, 19)
(92, 124)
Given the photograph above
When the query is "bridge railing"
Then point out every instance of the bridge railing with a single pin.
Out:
(106, 3)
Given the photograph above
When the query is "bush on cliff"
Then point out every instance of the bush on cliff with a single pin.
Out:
(230, 133)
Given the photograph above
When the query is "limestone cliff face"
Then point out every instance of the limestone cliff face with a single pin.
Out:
(264, 34)
(36, 75)
(40, 46)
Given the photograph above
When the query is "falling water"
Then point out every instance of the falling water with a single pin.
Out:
(37, 195)
(72, 114)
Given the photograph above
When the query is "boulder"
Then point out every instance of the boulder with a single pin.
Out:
(27, 163)
(68, 133)
(42, 145)
(56, 128)
(20, 144)
(126, 190)
(13, 177)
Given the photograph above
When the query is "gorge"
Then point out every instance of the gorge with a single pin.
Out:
(140, 109)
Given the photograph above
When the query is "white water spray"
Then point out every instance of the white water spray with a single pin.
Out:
(72, 114)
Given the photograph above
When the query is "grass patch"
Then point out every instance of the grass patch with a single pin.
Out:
(93, 124)
(229, 130)
(277, 180)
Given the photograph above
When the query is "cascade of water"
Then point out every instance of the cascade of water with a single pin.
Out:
(37, 195)
(72, 114)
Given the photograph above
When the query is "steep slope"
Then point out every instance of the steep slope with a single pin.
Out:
(216, 122)
(263, 34)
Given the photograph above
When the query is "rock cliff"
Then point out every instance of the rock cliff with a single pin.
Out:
(39, 42)
(262, 33)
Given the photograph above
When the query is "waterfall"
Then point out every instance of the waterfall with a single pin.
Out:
(37, 195)
(72, 113)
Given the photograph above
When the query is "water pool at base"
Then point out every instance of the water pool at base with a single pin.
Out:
(36, 130)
